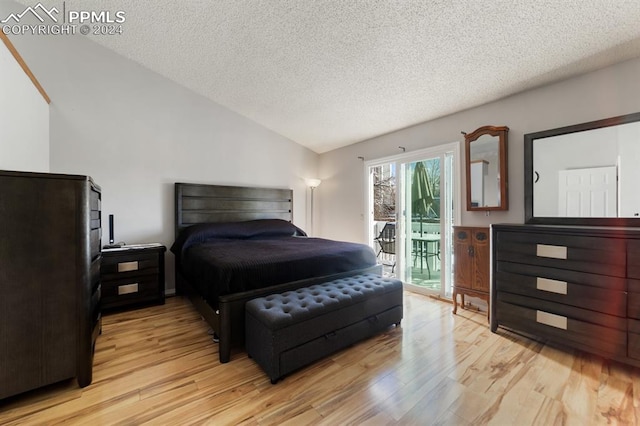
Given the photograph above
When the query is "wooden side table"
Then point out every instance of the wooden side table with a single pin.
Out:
(132, 275)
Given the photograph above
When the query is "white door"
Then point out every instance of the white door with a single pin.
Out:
(590, 192)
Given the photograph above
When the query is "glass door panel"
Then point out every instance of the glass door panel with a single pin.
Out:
(415, 193)
(422, 224)
(382, 207)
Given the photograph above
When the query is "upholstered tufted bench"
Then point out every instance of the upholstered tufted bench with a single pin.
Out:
(287, 331)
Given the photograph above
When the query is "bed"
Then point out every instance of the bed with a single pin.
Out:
(234, 244)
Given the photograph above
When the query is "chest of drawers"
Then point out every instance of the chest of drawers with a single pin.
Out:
(50, 230)
(576, 286)
(132, 276)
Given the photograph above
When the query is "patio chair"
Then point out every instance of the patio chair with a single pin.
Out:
(387, 242)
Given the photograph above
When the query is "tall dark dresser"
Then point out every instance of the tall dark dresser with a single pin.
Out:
(577, 286)
(50, 234)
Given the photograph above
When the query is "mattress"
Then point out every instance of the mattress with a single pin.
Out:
(232, 262)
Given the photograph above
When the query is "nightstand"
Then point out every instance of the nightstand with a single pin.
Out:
(132, 275)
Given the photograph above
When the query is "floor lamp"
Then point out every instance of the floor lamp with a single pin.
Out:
(313, 184)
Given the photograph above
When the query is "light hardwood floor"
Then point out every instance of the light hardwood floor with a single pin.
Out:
(158, 366)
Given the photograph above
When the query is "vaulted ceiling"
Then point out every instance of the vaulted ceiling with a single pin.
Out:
(328, 73)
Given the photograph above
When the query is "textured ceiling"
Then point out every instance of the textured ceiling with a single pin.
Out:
(330, 73)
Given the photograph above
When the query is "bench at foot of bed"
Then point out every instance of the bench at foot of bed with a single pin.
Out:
(287, 331)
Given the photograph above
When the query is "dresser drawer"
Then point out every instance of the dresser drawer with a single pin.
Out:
(95, 237)
(471, 235)
(633, 259)
(114, 267)
(95, 273)
(545, 287)
(94, 209)
(96, 296)
(633, 297)
(565, 330)
(94, 200)
(127, 290)
(589, 291)
(576, 253)
(604, 282)
(634, 339)
(605, 320)
(96, 329)
(95, 221)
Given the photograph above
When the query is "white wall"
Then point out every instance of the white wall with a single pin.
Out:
(604, 93)
(24, 119)
(136, 133)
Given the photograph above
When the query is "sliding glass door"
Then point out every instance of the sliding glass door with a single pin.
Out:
(414, 195)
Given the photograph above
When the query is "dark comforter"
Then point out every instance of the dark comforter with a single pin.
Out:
(222, 261)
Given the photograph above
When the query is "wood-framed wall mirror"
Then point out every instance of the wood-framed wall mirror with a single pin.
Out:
(584, 174)
(487, 172)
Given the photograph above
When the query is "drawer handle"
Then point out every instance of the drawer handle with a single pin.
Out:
(127, 289)
(552, 286)
(556, 252)
(128, 266)
(552, 320)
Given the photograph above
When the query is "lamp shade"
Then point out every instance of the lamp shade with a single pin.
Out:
(313, 183)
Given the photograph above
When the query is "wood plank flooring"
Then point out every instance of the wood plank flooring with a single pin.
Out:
(157, 365)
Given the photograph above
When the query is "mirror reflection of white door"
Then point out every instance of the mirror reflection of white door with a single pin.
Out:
(590, 192)
(479, 170)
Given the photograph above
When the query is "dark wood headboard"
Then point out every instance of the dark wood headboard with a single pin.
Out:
(196, 203)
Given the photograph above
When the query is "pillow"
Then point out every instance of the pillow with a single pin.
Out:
(255, 229)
